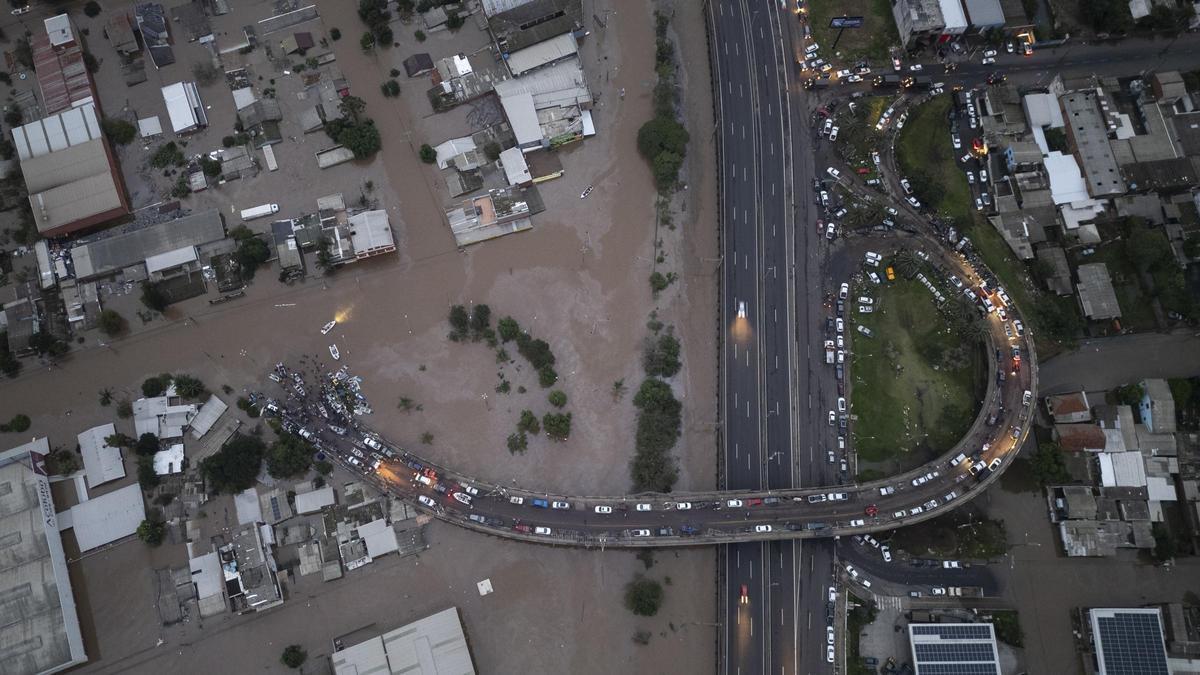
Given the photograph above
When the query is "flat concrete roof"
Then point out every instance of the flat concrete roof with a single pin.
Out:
(1086, 124)
(311, 502)
(435, 645)
(40, 632)
(1096, 292)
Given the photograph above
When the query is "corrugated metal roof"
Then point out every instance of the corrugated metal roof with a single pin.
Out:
(311, 502)
(101, 461)
(542, 53)
(57, 132)
(183, 106)
(522, 116)
(109, 517)
(110, 254)
(62, 76)
(175, 258)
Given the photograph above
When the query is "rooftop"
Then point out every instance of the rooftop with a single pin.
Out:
(435, 645)
(113, 253)
(311, 502)
(1073, 406)
(101, 462)
(1087, 126)
(1077, 437)
(1122, 469)
(107, 518)
(965, 648)
(1060, 279)
(58, 62)
(1129, 641)
(541, 54)
(516, 25)
(40, 632)
(371, 234)
(1096, 293)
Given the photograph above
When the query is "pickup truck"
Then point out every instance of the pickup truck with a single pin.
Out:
(829, 352)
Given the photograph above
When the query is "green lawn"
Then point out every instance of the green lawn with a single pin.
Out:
(872, 40)
(915, 388)
(926, 156)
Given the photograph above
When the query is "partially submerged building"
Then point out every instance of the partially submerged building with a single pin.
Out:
(101, 462)
(40, 632)
(184, 107)
(70, 172)
(159, 248)
(434, 644)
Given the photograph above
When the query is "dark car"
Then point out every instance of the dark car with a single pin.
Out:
(664, 532)
(688, 529)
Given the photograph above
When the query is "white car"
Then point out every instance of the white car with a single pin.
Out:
(603, 509)
(841, 356)
(541, 530)
(832, 418)
(733, 503)
(829, 231)
(874, 279)
(841, 342)
(462, 497)
(937, 590)
(640, 533)
(762, 528)
(971, 177)
(886, 490)
(887, 554)
(865, 309)
(864, 330)
(844, 291)
(875, 157)
(426, 501)
(741, 314)
(988, 61)
(560, 505)
(845, 72)
(833, 133)
(854, 78)
(906, 185)
(841, 325)
(683, 506)
(912, 201)
(915, 68)
(829, 653)
(516, 500)
(812, 49)
(857, 522)
(828, 126)
(829, 635)
(956, 141)
(834, 173)
(935, 91)
(643, 507)
(919, 480)
(1026, 398)
(832, 594)
(978, 204)
(831, 456)
(841, 404)
(982, 176)
(951, 564)
(864, 300)
(989, 52)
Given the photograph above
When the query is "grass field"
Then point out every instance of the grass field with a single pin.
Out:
(877, 34)
(926, 156)
(916, 388)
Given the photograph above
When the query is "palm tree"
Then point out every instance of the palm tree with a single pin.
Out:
(908, 263)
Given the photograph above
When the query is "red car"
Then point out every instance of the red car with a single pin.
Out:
(520, 527)
(745, 595)
(872, 510)
(754, 502)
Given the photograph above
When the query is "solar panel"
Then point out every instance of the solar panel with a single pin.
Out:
(954, 651)
(959, 669)
(955, 631)
(1132, 644)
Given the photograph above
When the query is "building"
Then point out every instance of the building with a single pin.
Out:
(1122, 469)
(418, 65)
(1069, 408)
(1157, 407)
(286, 247)
(119, 30)
(984, 15)
(169, 461)
(371, 234)
(184, 107)
(209, 413)
(70, 172)
(153, 25)
(516, 169)
(548, 107)
(101, 462)
(1059, 280)
(157, 416)
(1084, 437)
(495, 214)
(1128, 641)
(517, 24)
(1088, 122)
(112, 254)
(928, 21)
(939, 648)
(542, 54)
(434, 645)
(1096, 294)
(62, 76)
(249, 571)
(102, 520)
(40, 632)
(311, 502)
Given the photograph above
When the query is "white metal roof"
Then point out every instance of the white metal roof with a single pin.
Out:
(542, 53)
(435, 645)
(311, 502)
(522, 116)
(1122, 469)
(182, 100)
(101, 462)
(209, 413)
(57, 132)
(516, 169)
(170, 259)
(169, 461)
(149, 126)
(58, 28)
(206, 574)
(371, 230)
(379, 537)
(107, 518)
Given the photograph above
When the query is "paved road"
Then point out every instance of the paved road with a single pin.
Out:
(1104, 363)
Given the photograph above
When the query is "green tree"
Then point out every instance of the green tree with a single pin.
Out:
(124, 409)
(1164, 543)
(352, 107)
(508, 328)
(189, 387)
(536, 351)
(151, 532)
(428, 154)
(235, 467)
(16, 425)
(367, 41)
(529, 423)
(518, 442)
(1049, 466)
(460, 322)
(658, 427)
(547, 376)
(111, 322)
(557, 398)
(660, 135)
(289, 456)
(147, 444)
(391, 89)
(361, 138)
(210, 167)
(1129, 394)
(293, 656)
(454, 21)
(154, 297)
(119, 132)
(492, 150)
(335, 34)
(660, 357)
(148, 478)
(557, 425)
(481, 320)
(324, 468)
(658, 282)
(666, 170)
(1148, 249)
(251, 253)
(120, 440)
(155, 386)
(167, 155)
(643, 596)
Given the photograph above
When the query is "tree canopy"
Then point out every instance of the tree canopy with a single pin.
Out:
(289, 456)
(235, 467)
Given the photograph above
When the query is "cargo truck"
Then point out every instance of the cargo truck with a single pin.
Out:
(260, 211)
(829, 352)
(887, 81)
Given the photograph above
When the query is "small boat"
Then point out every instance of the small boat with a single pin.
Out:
(585, 193)
(333, 351)
(328, 327)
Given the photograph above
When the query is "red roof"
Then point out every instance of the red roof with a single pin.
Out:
(61, 74)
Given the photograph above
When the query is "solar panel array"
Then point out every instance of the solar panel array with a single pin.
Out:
(1132, 644)
(955, 631)
(954, 649)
